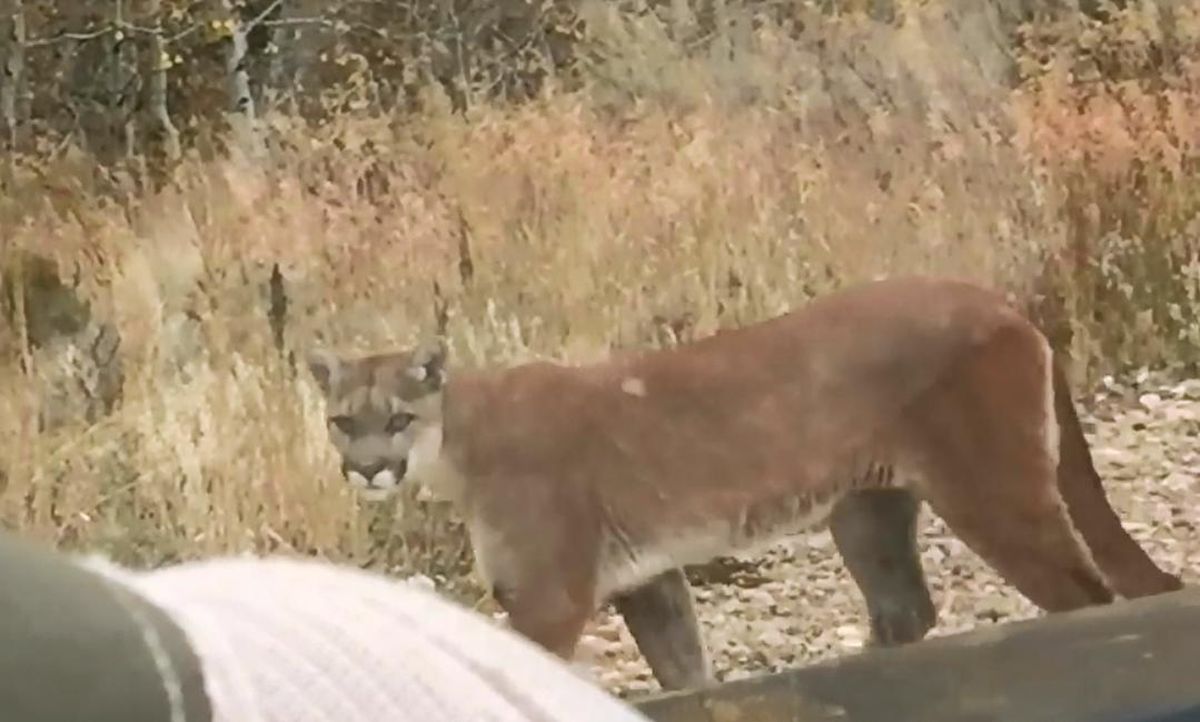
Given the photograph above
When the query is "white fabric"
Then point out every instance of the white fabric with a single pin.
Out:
(285, 640)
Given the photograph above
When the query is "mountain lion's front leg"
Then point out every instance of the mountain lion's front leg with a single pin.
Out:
(661, 616)
(875, 532)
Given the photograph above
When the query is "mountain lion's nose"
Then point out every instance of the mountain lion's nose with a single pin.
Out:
(370, 472)
(366, 471)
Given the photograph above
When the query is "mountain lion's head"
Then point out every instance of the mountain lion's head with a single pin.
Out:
(380, 409)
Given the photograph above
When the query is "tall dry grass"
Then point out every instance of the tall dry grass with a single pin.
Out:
(572, 224)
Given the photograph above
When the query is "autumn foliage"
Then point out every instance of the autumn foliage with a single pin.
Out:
(666, 177)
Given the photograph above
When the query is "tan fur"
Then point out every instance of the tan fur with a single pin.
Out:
(581, 484)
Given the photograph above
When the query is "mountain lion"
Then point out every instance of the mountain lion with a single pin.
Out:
(581, 484)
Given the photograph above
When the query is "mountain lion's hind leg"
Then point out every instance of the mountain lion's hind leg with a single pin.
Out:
(986, 441)
(875, 531)
(662, 619)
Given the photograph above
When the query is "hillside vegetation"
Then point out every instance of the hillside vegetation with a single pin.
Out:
(194, 195)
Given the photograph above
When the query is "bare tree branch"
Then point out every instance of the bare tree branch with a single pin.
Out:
(108, 30)
(288, 22)
(261, 17)
(182, 33)
(81, 37)
(325, 22)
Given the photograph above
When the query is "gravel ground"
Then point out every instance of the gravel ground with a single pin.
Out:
(801, 607)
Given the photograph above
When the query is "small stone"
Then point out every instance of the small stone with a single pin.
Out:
(819, 540)
(420, 581)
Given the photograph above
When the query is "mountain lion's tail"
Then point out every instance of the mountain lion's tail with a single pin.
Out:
(1126, 566)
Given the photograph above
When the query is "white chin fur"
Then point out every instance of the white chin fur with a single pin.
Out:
(381, 486)
(384, 480)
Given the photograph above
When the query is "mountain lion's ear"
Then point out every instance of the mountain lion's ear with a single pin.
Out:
(325, 367)
(427, 363)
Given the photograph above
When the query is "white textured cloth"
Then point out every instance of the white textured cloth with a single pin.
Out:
(284, 640)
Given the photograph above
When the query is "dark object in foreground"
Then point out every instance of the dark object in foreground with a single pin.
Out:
(74, 646)
(1190, 713)
(1132, 661)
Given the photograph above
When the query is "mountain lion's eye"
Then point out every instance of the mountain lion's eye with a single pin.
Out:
(399, 422)
(345, 424)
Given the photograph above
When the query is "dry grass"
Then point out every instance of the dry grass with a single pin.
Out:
(584, 223)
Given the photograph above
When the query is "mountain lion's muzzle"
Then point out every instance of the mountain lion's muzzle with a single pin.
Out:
(377, 478)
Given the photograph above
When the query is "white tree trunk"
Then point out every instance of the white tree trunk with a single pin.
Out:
(156, 101)
(13, 73)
